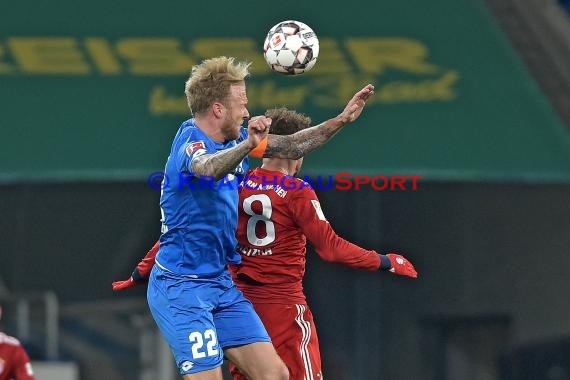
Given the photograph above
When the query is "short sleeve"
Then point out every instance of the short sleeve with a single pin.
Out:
(188, 151)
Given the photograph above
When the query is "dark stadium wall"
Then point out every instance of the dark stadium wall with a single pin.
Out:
(493, 264)
(492, 258)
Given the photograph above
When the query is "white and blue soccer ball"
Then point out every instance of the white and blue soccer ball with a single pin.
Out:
(291, 47)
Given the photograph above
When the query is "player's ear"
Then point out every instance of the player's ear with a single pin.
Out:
(218, 110)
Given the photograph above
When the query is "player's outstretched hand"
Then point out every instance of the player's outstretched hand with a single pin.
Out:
(401, 266)
(257, 129)
(125, 284)
(141, 273)
(135, 279)
(355, 106)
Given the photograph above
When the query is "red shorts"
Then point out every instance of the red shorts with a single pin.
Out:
(294, 336)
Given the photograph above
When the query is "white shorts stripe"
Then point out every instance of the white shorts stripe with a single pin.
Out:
(303, 349)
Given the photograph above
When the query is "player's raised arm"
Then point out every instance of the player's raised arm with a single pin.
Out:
(219, 164)
(303, 142)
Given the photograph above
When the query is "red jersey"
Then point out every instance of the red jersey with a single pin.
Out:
(14, 362)
(276, 216)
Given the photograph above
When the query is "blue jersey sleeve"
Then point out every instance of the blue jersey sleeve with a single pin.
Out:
(189, 149)
(196, 145)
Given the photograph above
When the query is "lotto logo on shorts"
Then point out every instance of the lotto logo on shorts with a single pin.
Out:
(187, 366)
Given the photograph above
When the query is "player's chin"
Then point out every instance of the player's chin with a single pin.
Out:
(233, 134)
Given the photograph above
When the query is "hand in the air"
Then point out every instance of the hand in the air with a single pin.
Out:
(355, 106)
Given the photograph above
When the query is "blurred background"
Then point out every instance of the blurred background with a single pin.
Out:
(471, 95)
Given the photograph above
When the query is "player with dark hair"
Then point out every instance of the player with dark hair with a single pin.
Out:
(191, 295)
(14, 361)
(278, 213)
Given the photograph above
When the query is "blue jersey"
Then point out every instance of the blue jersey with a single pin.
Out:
(199, 216)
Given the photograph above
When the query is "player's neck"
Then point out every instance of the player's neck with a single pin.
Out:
(210, 128)
(282, 165)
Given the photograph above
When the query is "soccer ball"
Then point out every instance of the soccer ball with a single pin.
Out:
(291, 48)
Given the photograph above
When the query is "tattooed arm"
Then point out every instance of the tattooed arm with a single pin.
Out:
(292, 146)
(303, 142)
(219, 164)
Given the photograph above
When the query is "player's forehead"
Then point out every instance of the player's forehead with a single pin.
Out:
(238, 93)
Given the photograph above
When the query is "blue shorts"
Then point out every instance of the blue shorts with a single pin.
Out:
(199, 317)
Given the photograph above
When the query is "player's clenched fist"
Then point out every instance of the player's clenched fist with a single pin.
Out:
(401, 266)
(257, 129)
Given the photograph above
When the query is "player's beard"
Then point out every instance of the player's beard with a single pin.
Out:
(231, 128)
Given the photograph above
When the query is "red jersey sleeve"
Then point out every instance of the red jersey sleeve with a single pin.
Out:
(146, 264)
(309, 216)
(22, 366)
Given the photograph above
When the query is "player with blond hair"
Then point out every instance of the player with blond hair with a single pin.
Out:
(191, 295)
